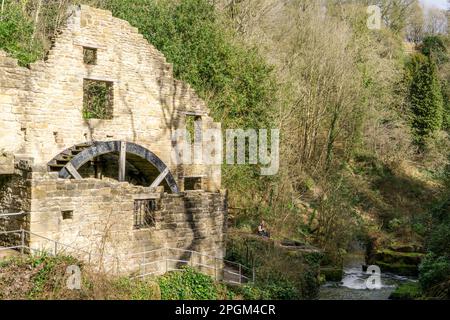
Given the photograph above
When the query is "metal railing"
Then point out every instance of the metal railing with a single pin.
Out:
(165, 260)
(54, 248)
(162, 260)
(12, 214)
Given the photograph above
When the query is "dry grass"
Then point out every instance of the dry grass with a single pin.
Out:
(45, 278)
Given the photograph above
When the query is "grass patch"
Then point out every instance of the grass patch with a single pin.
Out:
(407, 291)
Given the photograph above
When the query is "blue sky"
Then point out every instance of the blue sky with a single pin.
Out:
(435, 3)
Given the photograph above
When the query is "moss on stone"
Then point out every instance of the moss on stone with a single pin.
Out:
(332, 273)
(395, 257)
(398, 268)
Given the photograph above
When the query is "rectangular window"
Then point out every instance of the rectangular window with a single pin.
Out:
(89, 56)
(67, 214)
(194, 127)
(190, 128)
(192, 183)
(97, 99)
(194, 131)
(144, 213)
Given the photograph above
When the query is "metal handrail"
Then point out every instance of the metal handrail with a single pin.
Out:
(10, 248)
(55, 243)
(59, 243)
(213, 266)
(193, 252)
(58, 247)
(10, 214)
(10, 231)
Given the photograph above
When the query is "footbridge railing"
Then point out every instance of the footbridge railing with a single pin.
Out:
(163, 260)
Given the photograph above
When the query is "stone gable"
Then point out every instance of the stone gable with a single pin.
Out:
(103, 206)
(42, 107)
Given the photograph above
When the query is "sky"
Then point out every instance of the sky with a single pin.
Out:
(442, 4)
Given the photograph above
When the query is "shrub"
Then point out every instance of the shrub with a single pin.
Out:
(138, 289)
(439, 241)
(434, 47)
(406, 291)
(434, 270)
(277, 285)
(189, 284)
(16, 35)
(275, 276)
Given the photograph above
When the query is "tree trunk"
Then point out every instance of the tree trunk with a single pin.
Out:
(36, 19)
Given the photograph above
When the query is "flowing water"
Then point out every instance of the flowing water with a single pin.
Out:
(353, 284)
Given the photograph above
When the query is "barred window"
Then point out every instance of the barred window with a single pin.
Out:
(144, 213)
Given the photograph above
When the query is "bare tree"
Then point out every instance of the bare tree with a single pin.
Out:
(36, 18)
(416, 24)
(436, 21)
(448, 18)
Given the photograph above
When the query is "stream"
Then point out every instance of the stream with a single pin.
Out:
(353, 284)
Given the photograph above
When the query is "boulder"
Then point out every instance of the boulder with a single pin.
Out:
(334, 274)
(401, 263)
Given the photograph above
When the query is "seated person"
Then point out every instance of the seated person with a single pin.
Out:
(262, 231)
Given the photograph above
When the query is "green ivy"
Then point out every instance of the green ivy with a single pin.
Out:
(16, 35)
(188, 284)
(234, 79)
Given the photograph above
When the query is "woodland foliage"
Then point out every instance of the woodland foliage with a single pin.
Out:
(364, 114)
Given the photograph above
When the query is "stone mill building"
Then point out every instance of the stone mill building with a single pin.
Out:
(85, 150)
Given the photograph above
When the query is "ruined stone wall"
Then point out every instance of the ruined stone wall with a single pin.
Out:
(13, 86)
(42, 106)
(103, 220)
(6, 163)
(42, 115)
(15, 197)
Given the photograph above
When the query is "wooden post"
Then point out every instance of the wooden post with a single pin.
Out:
(160, 178)
(122, 160)
(73, 171)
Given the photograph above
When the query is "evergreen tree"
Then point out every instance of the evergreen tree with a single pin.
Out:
(426, 99)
